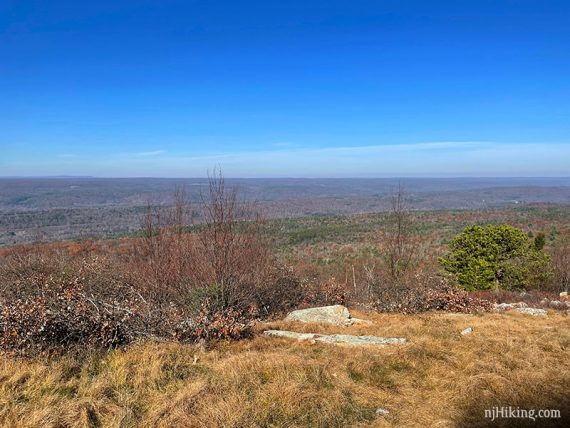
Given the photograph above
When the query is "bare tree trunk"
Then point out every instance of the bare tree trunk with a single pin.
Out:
(561, 266)
(401, 247)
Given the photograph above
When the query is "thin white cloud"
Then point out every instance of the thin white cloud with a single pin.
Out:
(283, 144)
(427, 159)
(447, 158)
(152, 153)
(345, 150)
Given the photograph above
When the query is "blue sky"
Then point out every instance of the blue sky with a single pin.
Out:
(285, 88)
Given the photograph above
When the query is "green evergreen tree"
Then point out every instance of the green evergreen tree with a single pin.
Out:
(496, 256)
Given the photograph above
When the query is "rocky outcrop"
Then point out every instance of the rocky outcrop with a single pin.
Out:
(336, 338)
(520, 307)
(532, 311)
(336, 315)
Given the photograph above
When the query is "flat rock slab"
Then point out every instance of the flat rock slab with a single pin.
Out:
(336, 314)
(501, 307)
(336, 338)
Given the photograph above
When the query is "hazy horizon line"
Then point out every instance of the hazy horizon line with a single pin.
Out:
(427, 177)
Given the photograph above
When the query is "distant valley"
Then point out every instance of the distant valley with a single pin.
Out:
(48, 209)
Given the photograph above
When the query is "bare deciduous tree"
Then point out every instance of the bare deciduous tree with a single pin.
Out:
(223, 263)
(234, 253)
(165, 249)
(400, 243)
(561, 267)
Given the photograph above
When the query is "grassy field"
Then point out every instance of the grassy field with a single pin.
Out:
(438, 379)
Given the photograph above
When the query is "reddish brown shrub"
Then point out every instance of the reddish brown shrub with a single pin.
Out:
(216, 325)
(419, 290)
(534, 298)
(219, 276)
(446, 297)
(280, 292)
(317, 293)
(60, 317)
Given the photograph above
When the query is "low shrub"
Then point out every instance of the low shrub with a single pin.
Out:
(426, 291)
(51, 302)
(211, 324)
(281, 292)
(533, 298)
(446, 297)
(317, 293)
(59, 317)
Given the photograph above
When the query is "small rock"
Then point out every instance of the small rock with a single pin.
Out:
(382, 412)
(564, 295)
(557, 304)
(520, 305)
(467, 331)
(532, 311)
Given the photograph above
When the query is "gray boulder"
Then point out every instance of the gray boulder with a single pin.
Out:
(337, 315)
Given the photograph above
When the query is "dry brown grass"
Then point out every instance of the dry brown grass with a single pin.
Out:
(438, 379)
